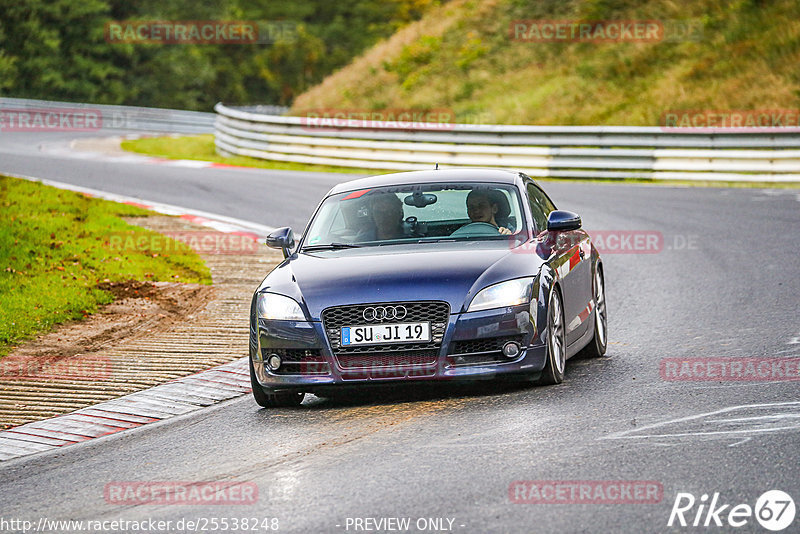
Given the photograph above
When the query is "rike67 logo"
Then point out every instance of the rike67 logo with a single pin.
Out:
(774, 510)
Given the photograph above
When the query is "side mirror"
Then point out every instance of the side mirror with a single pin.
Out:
(562, 221)
(282, 238)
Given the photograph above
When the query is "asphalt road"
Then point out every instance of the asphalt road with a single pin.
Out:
(725, 285)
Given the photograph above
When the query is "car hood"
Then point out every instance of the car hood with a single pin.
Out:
(452, 272)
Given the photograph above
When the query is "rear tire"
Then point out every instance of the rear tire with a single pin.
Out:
(599, 342)
(273, 400)
(553, 372)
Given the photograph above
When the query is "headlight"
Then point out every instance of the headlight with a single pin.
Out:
(509, 293)
(272, 306)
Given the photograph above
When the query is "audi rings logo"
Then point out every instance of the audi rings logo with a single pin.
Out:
(380, 313)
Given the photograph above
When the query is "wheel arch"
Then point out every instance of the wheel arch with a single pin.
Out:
(547, 282)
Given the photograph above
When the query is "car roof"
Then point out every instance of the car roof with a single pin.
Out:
(433, 176)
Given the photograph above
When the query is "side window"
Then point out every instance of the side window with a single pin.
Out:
(540, 207)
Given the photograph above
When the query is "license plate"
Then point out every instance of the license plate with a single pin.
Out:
(386, 333)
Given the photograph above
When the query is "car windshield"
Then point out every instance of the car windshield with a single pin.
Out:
(416, 213)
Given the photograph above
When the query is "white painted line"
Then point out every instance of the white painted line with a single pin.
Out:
(711, 433)
(119, 155)
(222, 223)
(188, 396)
(189, 163)
(636, 433)
(8, 446)
(40, 439)
(756, 418)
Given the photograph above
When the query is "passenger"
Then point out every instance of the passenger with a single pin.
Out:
(386, 212)
(482, 208)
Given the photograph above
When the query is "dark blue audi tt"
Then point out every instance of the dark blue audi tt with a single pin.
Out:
(423, 276)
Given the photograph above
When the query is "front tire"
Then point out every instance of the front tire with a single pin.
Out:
(553, 372)
(273, 400)
(599, 342)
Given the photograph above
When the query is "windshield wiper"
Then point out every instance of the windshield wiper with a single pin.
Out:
(463, 238)
(438, 239)
(332, 246)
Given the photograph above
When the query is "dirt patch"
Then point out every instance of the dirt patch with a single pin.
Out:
(139, 308)
(130, 289)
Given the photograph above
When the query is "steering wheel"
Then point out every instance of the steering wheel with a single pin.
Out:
(414, 228)
(476, 229)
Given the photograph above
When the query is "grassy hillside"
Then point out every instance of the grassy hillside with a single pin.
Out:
(741, 55)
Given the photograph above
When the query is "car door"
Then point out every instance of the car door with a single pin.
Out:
(572, 260)
(581, 284)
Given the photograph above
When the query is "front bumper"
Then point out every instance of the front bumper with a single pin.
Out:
(311, 364)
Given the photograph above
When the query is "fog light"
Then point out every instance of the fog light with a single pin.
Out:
(273, 362)
(511, 349)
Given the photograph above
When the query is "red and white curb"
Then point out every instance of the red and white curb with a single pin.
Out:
(168, 400)
(69, 150)
(181, 396)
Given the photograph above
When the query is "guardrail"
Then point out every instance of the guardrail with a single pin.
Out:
(769, 154)
(124, 117)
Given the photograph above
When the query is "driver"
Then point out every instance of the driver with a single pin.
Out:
(386, 212)
(482, 208)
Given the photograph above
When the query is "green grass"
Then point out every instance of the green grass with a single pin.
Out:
(201, 147)
(55, 251)
(740, 55)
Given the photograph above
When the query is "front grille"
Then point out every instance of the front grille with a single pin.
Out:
(299, 361)
(387, 354)
(480, 351)
(386, 373)
(400, 359)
